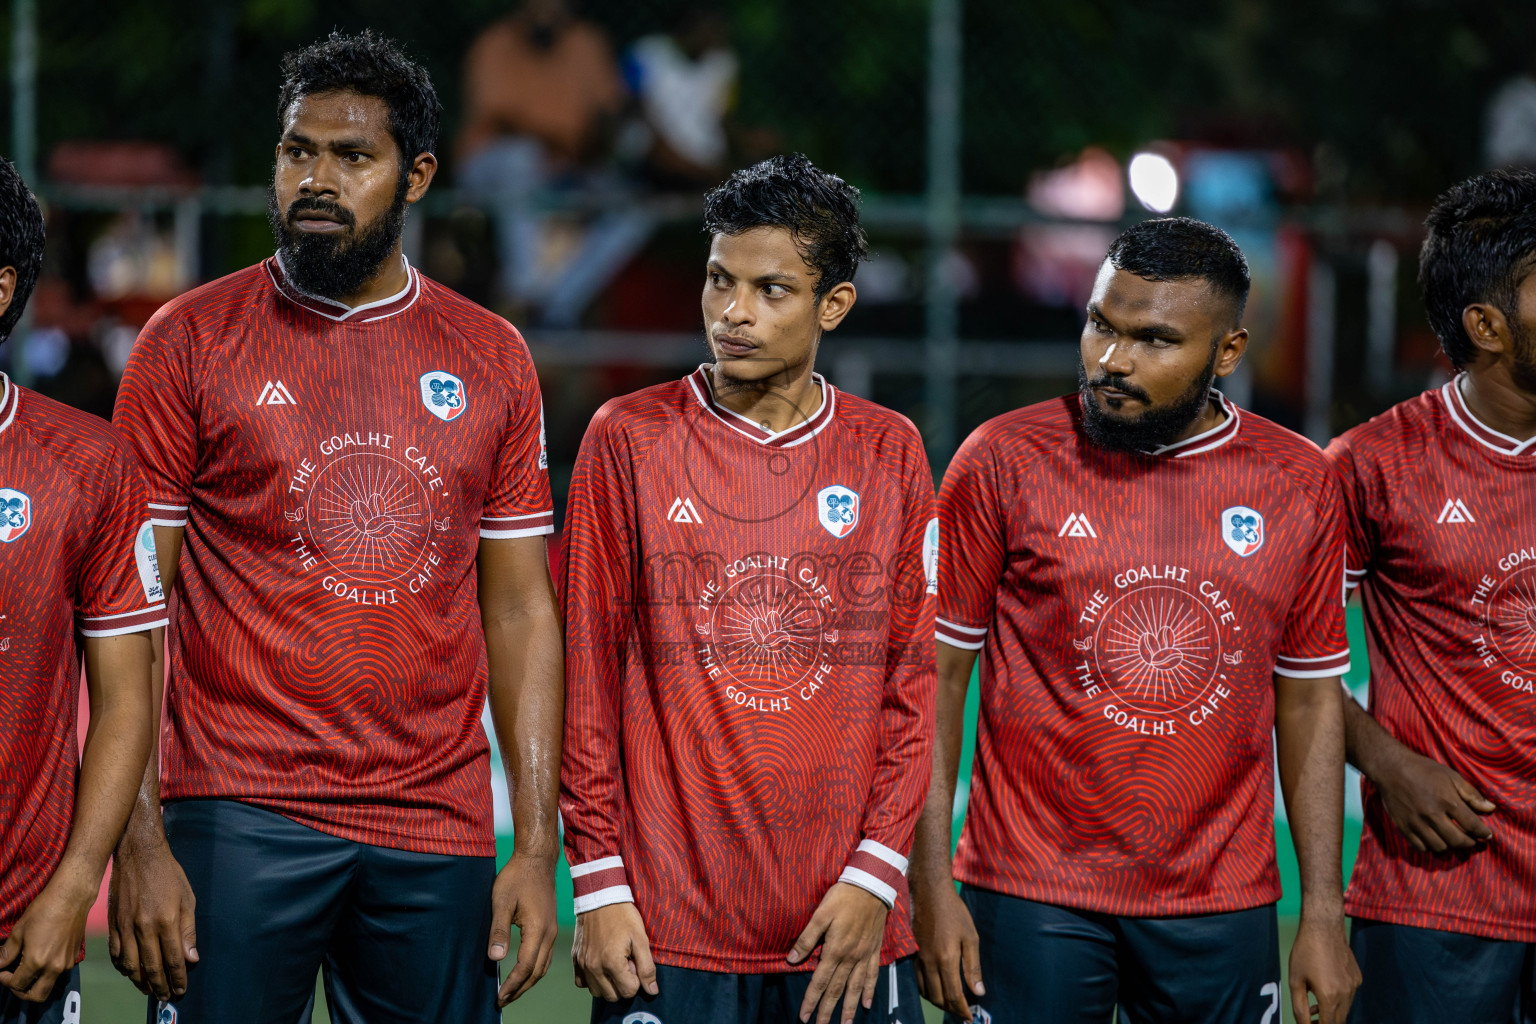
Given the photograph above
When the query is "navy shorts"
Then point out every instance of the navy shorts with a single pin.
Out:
(1422, 975)
(398, 936)
(63, 1007)
(1041, 962)
(707, 997)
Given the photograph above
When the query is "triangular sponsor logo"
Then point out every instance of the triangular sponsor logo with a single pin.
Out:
(682, 511)
(1455, 511)
(1077, 525)
(276, 393)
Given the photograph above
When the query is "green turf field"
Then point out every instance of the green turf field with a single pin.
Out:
(108, 998)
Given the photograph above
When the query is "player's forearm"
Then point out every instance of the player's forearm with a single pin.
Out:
(145, 827)
(1309, 728)
(1367, 745)
(931, 846)
(527, 699)
(117, 745)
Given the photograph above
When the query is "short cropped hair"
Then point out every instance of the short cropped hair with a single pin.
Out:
(1481, 244)
(1182, 249)
(21, 242)
(371, 65)
(820, 210)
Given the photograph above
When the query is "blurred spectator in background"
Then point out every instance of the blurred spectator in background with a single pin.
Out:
(1511, 140)
(684, 83)
(543, 99)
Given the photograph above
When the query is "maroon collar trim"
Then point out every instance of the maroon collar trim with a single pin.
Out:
(704, 391)
(340, 312)
(1461, 415)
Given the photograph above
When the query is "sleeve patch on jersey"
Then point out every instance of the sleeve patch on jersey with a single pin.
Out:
(931, 555)
(148, 564)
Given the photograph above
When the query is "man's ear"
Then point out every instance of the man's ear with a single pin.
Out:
(1487, 327)
(423, 170)
(1229, 351)
(836, 304)
(7, 288)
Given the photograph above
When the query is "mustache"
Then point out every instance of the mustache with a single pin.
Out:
(315, 204)
(1120, 383)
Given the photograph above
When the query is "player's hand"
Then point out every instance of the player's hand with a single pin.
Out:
(47, 938)
(1322, 964)
(612, 954)
(524, 895)
(948, 949)
(849, 926)
(1432, 805)
(151, 925)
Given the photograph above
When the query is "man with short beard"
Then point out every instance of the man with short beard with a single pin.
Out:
(1153, 580)
(347, 481)
(1440, 492)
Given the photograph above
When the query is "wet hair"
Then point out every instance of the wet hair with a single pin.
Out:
(370, 65)
(1481, 244)
(1182, 249)
(21, 242)
(820, 210)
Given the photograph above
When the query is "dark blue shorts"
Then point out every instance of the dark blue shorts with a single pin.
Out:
(398, 936)
(707, 997)
(63, 1007)
(1422, 975)
(1046, 963)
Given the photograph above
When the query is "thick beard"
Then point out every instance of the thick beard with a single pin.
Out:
(1155, 427)
(336, 266)
(1522, 368)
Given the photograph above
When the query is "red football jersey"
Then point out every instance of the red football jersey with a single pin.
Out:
(1131, 611)
(76, 554)
(1442, 544)
(335, 470)
(748, 668)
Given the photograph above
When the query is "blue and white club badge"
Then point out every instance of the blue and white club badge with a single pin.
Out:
(837, 509)
(1243, 529)
(443, 395)
(15, 514)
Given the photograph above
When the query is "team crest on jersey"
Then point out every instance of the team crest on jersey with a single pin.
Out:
(443, 394)
(642, 1018)
(837, 509)
(1243, 529)
(15, 514)
(167, 1014)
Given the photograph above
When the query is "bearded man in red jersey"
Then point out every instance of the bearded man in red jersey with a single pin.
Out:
(1153, 580)
(347, 475)
(750, 686)
(1441, 498)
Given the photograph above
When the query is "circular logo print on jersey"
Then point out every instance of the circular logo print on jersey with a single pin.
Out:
(15, 514)
(1512, 618)
(767, 631)
(1157, 648)
(370, 517)
(443, 394)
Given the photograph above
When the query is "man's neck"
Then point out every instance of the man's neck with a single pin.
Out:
(390, 280)
(1211, 416)
(1494, 397)
(775, 403)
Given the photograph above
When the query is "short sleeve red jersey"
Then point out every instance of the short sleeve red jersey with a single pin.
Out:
(1442, 545)
(77, 555)
(1131, 611)
(335, 470)
(749, 669)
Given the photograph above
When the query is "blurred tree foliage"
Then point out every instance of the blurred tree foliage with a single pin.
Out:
(1388, 93)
